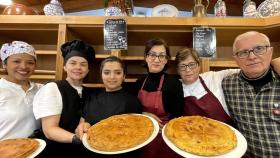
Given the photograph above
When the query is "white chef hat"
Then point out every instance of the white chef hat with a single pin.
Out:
(16, 47)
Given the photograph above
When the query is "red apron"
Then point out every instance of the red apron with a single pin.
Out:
(208, 106)
(152, 103)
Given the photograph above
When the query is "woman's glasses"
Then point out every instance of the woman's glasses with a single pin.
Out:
(160, 57)
(191, 66)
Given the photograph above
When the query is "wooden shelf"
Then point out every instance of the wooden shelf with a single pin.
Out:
(39, 77)
(18, 28)
(91, 85)
(38, 71)
(130, 80)
(39, 74)
(43, 77)
(125, 58)
(101, 56)
(97, 85)
(132, 58)
(223, 63)
(46, 52)
(135, 58)
(135, 24)
(48, 33)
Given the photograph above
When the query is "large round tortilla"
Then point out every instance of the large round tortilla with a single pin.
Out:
(120, 132)
(17, 148)
(200, 135)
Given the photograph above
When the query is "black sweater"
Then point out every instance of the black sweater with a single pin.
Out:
(172, 92)
(101, 105)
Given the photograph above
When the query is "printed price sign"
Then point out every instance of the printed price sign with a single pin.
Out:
(204, 41)
(115, 34)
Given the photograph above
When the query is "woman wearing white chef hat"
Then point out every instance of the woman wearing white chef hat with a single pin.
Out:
(17, 91)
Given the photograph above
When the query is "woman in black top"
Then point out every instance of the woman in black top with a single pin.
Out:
(113, 100)
(160, 94)
(59, 104)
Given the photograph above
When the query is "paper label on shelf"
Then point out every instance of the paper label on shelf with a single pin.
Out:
(115, 34)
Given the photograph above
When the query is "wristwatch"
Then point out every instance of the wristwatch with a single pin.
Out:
(76, 140)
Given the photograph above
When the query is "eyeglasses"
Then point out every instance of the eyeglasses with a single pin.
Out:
(153, 56)
(258, 50)
(191, 66)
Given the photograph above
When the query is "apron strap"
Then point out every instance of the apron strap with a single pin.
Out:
(144, 83)
(160, 82)
(204, 85)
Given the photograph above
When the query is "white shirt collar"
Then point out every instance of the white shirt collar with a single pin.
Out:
(17, 86)
(194, 89)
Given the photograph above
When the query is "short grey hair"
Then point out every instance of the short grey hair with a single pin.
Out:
(247, 34)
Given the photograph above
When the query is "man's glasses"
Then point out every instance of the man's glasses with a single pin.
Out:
(191, 66)
(258, 50)
(153, 56)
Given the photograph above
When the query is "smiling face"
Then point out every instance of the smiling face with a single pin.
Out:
(188, 75)
(154, 61)
(112, 76)
(253, 66)
(76, 68)
(20, 67)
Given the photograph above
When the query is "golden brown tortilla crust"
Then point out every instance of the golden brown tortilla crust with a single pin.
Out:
(120, 132)
(200, 135)
(17, 148)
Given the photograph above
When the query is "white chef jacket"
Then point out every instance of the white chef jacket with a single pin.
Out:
(48, 100)
(16, 115)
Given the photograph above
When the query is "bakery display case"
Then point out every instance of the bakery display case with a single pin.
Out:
(46, 34)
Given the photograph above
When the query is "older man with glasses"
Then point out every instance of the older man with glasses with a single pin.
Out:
(253, 95)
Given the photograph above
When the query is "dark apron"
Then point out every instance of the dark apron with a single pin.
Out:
(152, 103)
(208, 106)
(69, 119)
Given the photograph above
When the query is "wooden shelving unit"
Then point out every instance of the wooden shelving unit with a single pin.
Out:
(47, 33)
(46, 52)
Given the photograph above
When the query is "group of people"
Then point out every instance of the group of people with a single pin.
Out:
(246, 98)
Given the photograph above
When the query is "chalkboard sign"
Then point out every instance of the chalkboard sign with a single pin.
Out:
(204, 41)
(115, 34)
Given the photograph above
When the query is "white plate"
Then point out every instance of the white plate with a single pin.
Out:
(42, 145)
(152, 137)
(165, 10)
(237, 152)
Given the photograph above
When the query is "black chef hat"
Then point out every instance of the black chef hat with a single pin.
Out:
(78, 48)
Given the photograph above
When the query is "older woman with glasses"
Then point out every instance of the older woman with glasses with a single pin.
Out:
(203, 93)
(160, 94)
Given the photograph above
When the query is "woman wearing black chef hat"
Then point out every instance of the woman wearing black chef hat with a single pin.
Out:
(58, 104)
